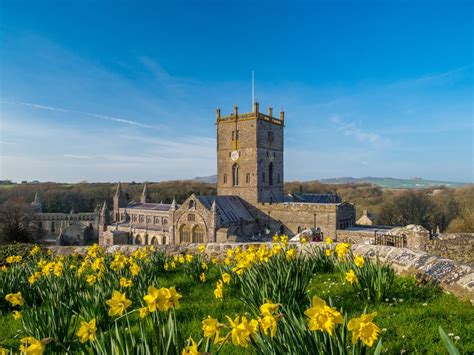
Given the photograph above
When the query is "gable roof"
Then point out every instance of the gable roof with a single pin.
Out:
(230, 208)
(312, 198)
(149, 206)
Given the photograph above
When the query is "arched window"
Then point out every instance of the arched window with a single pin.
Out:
(154, 241)
(247, 178)
(184, 235)
(192, 204)
(270, 174)
(225, 178)
(198, 234)
(53, 229)
(235, 175)
(138, 240)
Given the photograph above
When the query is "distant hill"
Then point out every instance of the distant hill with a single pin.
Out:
(212, 179)
(385, 182)
(393, 183)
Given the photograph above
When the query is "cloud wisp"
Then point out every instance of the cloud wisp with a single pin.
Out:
(350, 129)
(100, 116)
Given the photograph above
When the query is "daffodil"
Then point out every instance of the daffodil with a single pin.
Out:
(328, 252)
(202, 277)
(134, 269)
(351, 277)
(226, 278)
(268, 308)
(143, 312)
(303, 240)
(242, 331)
(322, 317)
(191, 349)
(118, 303)
(328, 240)
(161, 299)
(124, 282)
(16, 315)
(291, 253)
(36, 249)
(202, 248)
(34, 277)
(211, 328)
(15, 299)
(269, 325)
(359, 261)
(31, 346)
(342, 249)
(91, 279)
(364, 329)
(87, 331)
(218, 292)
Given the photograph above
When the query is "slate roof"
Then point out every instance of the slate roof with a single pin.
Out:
(312, 198)
(149, 206)
(230, 208)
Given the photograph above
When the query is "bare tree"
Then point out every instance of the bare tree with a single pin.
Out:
(16, 224)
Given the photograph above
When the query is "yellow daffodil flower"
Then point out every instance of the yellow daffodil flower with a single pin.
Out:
(32, 346)
(87, 331)
(15, 299)
(118, 303)
(322, 317)
(351, 277)
(364, 329)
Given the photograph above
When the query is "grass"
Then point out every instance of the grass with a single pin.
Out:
(409, 320)
(411, 316)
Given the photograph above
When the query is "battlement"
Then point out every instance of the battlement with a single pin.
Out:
(256, 114)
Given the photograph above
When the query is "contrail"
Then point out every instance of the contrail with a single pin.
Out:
(103, 117)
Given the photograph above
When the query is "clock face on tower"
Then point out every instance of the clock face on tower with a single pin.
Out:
(234, 155)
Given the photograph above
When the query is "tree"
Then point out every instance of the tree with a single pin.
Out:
(16, 224)
(412, 207)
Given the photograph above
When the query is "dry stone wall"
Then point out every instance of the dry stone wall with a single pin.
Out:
(459, 247)
(452, 276)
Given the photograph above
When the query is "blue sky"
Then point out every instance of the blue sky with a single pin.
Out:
(127, 90)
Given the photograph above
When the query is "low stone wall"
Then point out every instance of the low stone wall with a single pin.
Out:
(454, 246)
(452, 276)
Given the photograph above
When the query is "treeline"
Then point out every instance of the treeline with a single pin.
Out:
(449, 209)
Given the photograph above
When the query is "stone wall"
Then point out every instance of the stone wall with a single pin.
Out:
(456, 246)
(452, 276)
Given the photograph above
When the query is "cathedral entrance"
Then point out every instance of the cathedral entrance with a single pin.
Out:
(198, 234)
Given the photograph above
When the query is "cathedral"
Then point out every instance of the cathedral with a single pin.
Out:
(250, 203)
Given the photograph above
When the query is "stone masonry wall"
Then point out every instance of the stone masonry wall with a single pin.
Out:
(459, 247)
(452, 276)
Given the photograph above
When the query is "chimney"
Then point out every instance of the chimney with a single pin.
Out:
(270, 111)
(282, 115)
(255, 107)
(218, 113)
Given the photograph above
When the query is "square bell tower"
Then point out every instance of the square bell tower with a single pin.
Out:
(250, 155)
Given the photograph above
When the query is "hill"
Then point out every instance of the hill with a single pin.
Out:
(393, 183)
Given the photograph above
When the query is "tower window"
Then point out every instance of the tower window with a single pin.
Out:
(247, 178)
(192, 204)
(225, 178)
(270, 174)
(235, 175)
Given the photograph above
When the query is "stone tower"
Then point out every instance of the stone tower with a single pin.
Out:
(36, 205)
(250, 155)
(104, 218)
(145, 198)
(119, 202)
